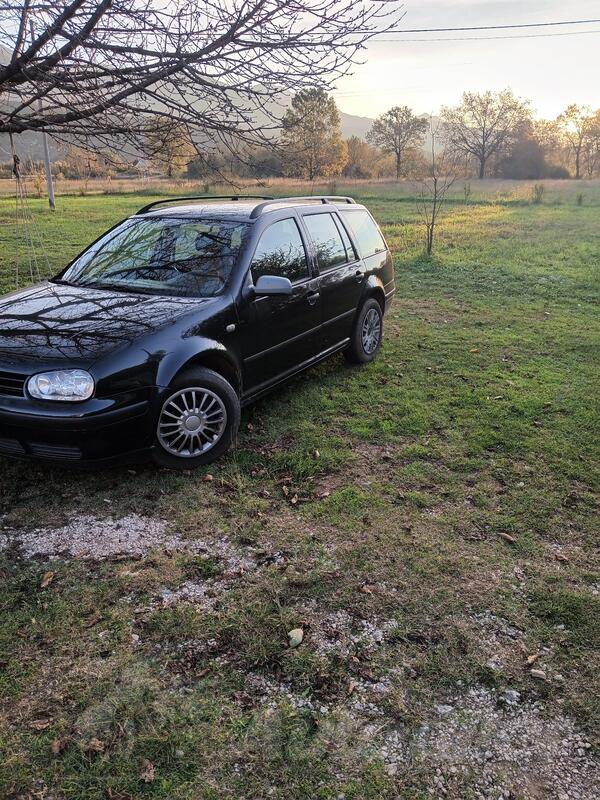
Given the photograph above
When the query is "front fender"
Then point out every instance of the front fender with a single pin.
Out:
(191, 352)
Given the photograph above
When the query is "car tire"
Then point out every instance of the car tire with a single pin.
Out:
(367, 334)
(197, 422)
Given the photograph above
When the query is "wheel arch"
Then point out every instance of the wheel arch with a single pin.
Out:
(213, 356)
(374, 288)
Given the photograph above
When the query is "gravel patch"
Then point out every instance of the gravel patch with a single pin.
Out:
(343, 635)
(88, 537)
(502, 748)
(204, 594)
(270, 693)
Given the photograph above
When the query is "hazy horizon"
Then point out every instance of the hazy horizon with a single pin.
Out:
(551, 71)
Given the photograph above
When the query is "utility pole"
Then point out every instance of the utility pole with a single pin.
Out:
(49, 183)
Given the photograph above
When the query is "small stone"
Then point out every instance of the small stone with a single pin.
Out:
(511, 697)
(295, 637)
(442, 710)
(539, 674)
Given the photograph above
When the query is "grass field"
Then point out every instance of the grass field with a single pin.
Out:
(430, 522)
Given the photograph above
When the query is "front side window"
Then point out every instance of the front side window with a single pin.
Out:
(281, 252)
(182, 258)
(366, 233)
(328, 243)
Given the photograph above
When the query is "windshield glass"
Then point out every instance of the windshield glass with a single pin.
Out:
(184, 258)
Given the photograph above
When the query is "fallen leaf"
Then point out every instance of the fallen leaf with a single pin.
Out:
(316, 453)
(57, 746)
(95, 745)
(147, 773)
(91, 621)
(474, 350)
(507, 538)
(47, 579)
(294, 500)
(207, 478)
(39, 724)
(532, 659)
(561, 557)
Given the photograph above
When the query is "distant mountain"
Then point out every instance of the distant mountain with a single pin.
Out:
(359, 126)
(354, 126)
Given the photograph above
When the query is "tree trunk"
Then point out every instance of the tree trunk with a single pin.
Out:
(398, 161)
(578, 164)
(481, 168)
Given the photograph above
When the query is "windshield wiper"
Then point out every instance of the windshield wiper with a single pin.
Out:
(111, 287)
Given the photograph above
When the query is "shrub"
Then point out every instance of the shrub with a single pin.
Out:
(537, 193)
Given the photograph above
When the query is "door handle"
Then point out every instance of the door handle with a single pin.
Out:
(359, 275)
(312, 298)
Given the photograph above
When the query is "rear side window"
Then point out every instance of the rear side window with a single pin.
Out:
(367, 235)
(281, 252)
(327, 240)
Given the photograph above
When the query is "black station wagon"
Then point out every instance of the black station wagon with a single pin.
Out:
(150, 342)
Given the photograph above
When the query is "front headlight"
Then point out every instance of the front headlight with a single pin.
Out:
(67, 384)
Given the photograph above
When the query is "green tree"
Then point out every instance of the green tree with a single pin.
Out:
(397, 130)
(312, 139)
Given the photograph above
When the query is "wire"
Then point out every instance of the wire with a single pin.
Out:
(490, 38)
(490, 27)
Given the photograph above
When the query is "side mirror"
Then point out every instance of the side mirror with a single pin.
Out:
(272, 285)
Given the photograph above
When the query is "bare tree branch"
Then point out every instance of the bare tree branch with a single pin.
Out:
(108, 69)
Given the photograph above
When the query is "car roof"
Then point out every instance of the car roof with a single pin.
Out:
(231, 210)
(244, 210)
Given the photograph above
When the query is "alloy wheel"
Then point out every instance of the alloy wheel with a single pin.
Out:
(191, 422)
(371, 331)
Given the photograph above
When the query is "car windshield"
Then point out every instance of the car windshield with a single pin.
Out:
(183, 258)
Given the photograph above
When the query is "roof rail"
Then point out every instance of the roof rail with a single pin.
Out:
(204, 197)
(257, 210)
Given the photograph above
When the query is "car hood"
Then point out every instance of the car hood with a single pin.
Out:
(55, 323)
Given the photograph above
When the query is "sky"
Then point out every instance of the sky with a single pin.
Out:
(551, 72)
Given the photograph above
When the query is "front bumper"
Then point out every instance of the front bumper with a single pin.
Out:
(95, 431)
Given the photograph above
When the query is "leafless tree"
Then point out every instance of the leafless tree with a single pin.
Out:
(484, 125)
(434, 188)
(575, 124)
(107, 69)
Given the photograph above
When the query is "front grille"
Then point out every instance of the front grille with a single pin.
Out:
(11, 447)
(12, 384)
(54, 451)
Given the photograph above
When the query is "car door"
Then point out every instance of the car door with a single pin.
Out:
(341, 274)
(280, 333)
